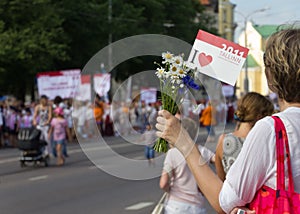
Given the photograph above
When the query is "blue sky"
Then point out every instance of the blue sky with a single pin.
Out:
(279, 12)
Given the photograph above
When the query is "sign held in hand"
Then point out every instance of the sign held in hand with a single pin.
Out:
(217, 57)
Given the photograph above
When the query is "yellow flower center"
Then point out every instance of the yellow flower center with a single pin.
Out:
(168, 56)
(174, 69)
(177, 61)
(181, 71)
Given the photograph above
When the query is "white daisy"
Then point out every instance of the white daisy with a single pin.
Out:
(160, 72)
(174, 69)
(178, 60)
(168, 57)
(182, 72)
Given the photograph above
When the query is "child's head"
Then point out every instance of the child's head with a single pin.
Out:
(28, 112)
(59, 112)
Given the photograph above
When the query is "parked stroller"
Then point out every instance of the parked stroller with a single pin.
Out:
(31, 147)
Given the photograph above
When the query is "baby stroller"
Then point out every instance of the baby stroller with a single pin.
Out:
(31, 147)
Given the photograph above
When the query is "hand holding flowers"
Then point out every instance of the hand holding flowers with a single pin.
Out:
(176, 77)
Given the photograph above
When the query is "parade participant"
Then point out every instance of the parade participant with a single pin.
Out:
(149, 138)
(251, 108)
(208, 119)
(256, 164)
(59, 129)
(26, 119)
(41, 119)
(176, 179)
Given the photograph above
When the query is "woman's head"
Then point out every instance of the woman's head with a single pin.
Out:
(252, 107)
(282, 62)
(44, 100)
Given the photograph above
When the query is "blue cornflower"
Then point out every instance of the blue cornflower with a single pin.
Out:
(189, 82)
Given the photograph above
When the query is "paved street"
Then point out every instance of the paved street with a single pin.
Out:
(78, 187)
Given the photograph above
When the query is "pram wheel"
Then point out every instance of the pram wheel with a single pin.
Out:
(46, 161)
(22, 164)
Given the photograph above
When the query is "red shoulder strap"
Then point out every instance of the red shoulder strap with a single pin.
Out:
(281, 142)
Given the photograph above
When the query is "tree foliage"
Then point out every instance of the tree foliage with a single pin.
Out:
(45, 35)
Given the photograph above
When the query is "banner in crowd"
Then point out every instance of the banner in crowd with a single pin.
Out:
(84, 89)
(227, 90)
(148, 95)
(62, 83)
(102, 84)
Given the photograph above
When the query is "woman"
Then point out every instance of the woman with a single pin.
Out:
(251, 108)
(41, 119)
(178, 181)
(256, 163)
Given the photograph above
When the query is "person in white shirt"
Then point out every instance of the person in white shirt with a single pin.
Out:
(177, 179)
(256, 163)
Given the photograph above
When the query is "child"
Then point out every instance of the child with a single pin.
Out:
(149, 138)
(59, 128)
(26, 119)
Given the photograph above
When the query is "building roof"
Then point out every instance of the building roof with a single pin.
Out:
(251, 62)
(204, 2)
(266, 30)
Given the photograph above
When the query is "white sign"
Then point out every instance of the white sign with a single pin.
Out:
(84, 90)
(148, 95)
(62, 83)
(228, 90)
(102, 84)
(217, 57)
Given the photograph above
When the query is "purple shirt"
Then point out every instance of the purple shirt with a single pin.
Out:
(26, 121)
(59, 128)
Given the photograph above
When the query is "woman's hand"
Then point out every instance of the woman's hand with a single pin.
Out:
(170, 129)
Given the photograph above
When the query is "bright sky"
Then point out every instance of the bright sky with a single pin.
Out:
(278, 12)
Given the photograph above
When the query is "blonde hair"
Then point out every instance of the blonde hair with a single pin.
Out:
(252, 107)
(282, 61)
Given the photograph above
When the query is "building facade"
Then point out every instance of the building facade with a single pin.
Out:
(256, 39)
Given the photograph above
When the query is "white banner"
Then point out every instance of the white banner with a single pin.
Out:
(84, 90)
(101, 84)
(62, 83)
(148, 95)
(228, 90)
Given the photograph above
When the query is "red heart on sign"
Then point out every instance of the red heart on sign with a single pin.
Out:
(204, 59)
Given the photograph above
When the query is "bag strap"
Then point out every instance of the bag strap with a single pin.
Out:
(162, 198)
(281, 141)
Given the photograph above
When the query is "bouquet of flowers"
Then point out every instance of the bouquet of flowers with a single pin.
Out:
(176, 77)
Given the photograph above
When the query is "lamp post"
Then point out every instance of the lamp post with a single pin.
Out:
(109, 35)
(246, 17)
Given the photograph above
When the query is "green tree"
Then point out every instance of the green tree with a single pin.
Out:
(31, 39)
(177, 18)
